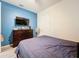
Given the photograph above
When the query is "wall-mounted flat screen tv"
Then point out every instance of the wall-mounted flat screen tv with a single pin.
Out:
(19, 21)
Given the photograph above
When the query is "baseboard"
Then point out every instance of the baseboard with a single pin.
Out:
(7, 46)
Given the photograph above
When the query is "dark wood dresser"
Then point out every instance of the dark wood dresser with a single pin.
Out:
(19, 35)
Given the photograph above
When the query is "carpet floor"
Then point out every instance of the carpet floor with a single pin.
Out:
(8, 53)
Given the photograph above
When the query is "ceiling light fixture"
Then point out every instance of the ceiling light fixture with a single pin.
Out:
(21, 5)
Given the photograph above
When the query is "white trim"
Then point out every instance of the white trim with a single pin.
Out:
(6, 46)
(0, 25)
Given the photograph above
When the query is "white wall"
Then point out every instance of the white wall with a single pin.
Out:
(61, 20)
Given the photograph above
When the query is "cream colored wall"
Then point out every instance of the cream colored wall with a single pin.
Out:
(61, 20)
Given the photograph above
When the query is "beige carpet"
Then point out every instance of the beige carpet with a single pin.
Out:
(8, 53)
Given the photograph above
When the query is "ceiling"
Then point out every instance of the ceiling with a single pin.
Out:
(33, 5)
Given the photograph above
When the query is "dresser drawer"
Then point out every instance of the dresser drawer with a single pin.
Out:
(19, 35)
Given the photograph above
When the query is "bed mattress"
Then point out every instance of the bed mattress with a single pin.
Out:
(46, 47)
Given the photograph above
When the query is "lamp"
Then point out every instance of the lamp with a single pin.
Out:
(1, 37)
(37, 30)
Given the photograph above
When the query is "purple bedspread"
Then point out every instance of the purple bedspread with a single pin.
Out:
(46, 47)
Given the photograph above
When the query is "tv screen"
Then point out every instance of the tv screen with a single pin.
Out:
(21, 21)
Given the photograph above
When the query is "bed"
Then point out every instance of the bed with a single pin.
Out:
(47, 47)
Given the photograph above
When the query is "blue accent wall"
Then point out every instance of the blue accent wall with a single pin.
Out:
(0, 17)
(8, 15)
